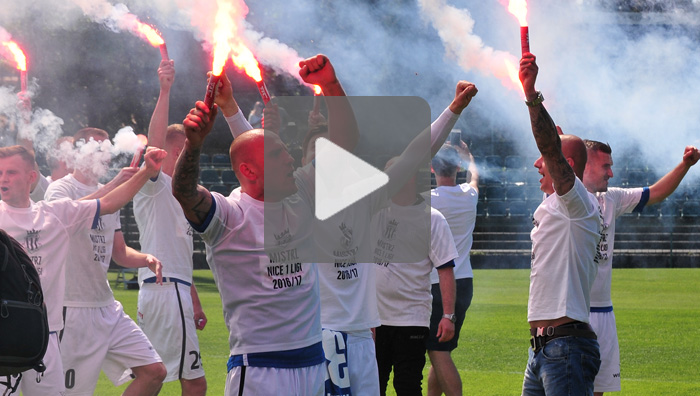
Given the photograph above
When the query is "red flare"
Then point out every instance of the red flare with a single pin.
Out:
(143, 142)
(264, 93)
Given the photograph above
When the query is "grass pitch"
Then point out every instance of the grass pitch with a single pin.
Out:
(658, 320)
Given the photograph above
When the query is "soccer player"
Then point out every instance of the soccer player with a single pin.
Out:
(615, 202)
(98, 335)
(564, 356)
(170, 313)
(46, 229)
(348, 297)
(458, 204)
(270, 297)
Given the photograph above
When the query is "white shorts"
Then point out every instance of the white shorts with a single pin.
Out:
(166, 315)
(101, 338)
(51, 380)
(608, 378)
(265, 381)
(361, 361)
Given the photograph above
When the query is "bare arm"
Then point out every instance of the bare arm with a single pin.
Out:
(121, 195)
(128, 257)
(200, 319)
(467, 156)
(670, 181)
(414, 155)
(448, 290)
(123, 175)
(545, 131)
(158, 127)
(194, 199)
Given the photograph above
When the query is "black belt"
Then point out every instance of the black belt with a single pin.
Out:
(167, 279)
(542, 335)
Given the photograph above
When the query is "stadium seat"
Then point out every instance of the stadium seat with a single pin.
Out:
(669, 208)
(532, 177)
(220, 188)
(209, 176)
(494, 161)
(515, 176)
(497, 208)
(495, 193)
(221, 161)
(515, 192)
(491, 176)
(691, 209)
(228, 176)
(515, 162)
(533, 193)
(518, 208)
(204, 160)
(637, 178)
(481, 208)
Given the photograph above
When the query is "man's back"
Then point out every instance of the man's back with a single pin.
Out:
(458, 205)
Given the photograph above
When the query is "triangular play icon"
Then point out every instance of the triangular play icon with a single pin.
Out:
(342, 178)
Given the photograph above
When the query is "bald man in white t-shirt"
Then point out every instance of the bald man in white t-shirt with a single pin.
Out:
(564, 356)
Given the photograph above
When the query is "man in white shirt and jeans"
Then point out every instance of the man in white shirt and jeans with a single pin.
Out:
(564, 356)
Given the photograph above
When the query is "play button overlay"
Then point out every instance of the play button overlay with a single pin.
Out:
(342, 179)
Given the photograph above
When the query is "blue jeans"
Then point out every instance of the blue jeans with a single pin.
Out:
(566, 366)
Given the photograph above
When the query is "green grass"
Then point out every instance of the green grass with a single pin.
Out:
(658, 320)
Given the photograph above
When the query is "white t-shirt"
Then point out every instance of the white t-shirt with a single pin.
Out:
(91, 250)
(458, 205)
(348, 290)
(270, 303)
(564, 245)
(403, 289)
(44, 229)
(613, 203)
(164, 231)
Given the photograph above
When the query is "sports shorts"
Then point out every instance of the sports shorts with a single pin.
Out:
(166, 316)
(103, 338)
(608, 378)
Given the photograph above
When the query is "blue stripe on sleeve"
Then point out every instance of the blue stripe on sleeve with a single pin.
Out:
(642, 201)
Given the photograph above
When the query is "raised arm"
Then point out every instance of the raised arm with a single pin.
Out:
(544, 129)
(237, 123)
(414, 155)
(443, 125)
(194, 199)
(670, 181)
(121, 195)
(158, 127)
(342, 125)
(467, 156)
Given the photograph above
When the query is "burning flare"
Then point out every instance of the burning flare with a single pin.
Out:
(519, 9)
(17, 55)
